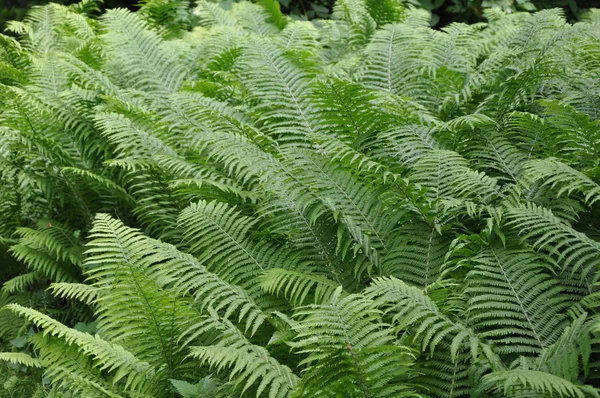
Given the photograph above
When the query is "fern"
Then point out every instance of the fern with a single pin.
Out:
(514, 383)
(135, 46)
(409, 306)
(573, 249)
(218, 199)
(557, 174)
(296, 286)
(345, 331)
(513, 301)
(251, 364)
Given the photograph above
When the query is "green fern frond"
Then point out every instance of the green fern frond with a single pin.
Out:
(110, 357)
(51, 250)
(440, 375)
(553, 173)
(170, 16)
(297, 286)
(569, 356)
(385, 12)
(74, 371)
(252, 366)
(573, 249)
(405, 145)
(445, 175)
(574, 136)
(144, 61)
(274, 10)
(496, 153)
(410, 308)
(520, 382)
(392, 58)
(356, 207)
(20, 282)
(347, 331)
(118, 246)
(514, 301)
(21, 359)
(349, 110)
(310, 234)
(419, 256)
(220, 236)
(357, 16)
(275, 82)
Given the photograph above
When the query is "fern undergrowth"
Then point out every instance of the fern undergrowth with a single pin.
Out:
(227, 202)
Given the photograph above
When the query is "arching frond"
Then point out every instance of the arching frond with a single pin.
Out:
(419, 256)
(109, 357)
(446, 175)
(551, 172)
(346, 331)
(275, 82)
(573, 249)
(253, 367)
(410, 308)
(144, 62)
(119, 246)
(357, 208)
(520, 382)
(223, 235)
(166, 15)
(21, 359)
(51, 250)
(514, 301)
(356, 14)
(297, 286)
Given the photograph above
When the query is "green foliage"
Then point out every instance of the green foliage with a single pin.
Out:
(228, 201)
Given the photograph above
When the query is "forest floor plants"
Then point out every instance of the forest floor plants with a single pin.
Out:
(225, 202)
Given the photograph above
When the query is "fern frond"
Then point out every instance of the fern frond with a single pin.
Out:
(357, 16)
(515, 383)
(296, 286)
(496, 153)
(79, 291)
(20, 282)
(21, 359)
(405, 145)
(552, 172)
(114, 246)
(573, 249)
(309, 233)
(393, 57)
(170, 16)
(357, 208)
(347, 330)
(419, 256)
(222, 234)
(446, 175)
(386, 11)
(252, 366)
(74, 371)
(275, 82)
(514, 301)
(144, 61)
(410, 308)
(569, 356)
(52, 251)
(274, 10)
(110, 357)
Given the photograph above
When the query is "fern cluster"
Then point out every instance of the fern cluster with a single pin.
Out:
(226, 202)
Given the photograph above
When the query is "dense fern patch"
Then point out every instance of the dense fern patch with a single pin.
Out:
(227, 202)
